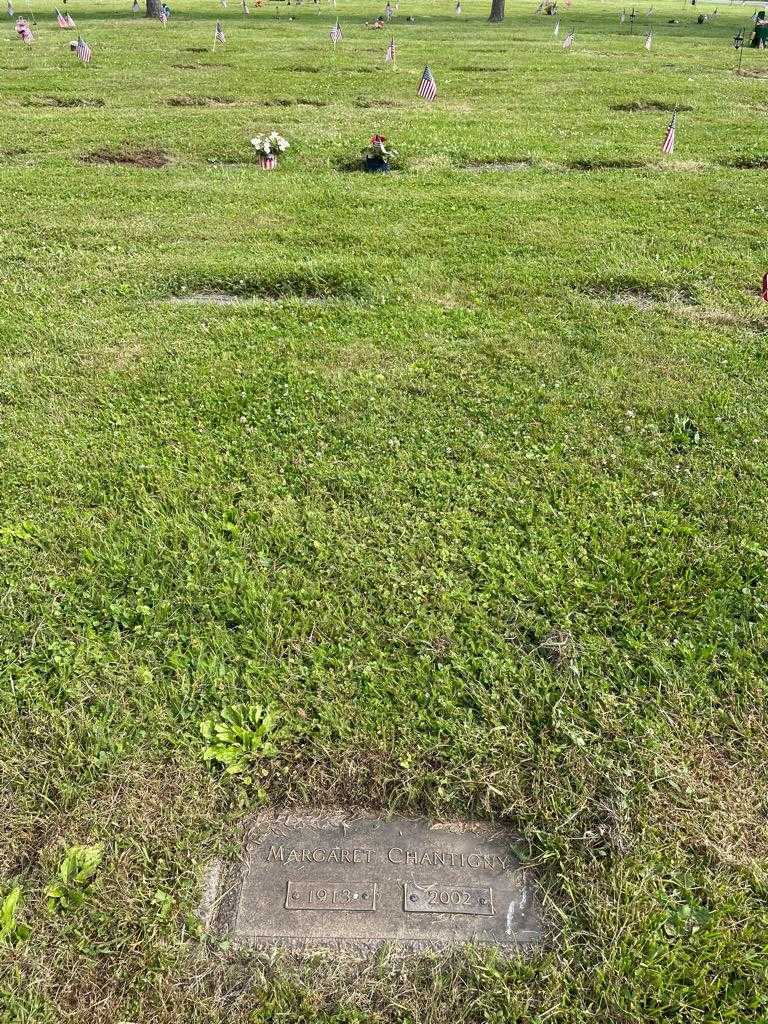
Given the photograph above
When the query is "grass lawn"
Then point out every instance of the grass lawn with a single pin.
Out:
(469, 487)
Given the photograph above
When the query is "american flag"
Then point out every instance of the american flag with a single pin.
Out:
(245, 7)
(427, 85)
(390, 56)
(82, 50)
(622, 17)
(70, 21)
(163, 17)
(648, 41)
(388, 11)
(61, 21)
(336, 34)
(458, 7)
(557, 29)
(219, 36)
(135, 6)
(668, 146)
(9, 8)
(568, 41)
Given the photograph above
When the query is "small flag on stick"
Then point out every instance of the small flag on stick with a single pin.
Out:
(556, 33)
(163, 17)
(9, 9)
(83, 50)
(218, 35)
(458, 8)
(70, 21)
(336, 34)
(648, 41)
(135, 6)
(427, 85)
(668, 146)
(61, 21)
(390, 55)
(568, 41)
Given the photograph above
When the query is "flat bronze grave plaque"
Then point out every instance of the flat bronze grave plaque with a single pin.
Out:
(338, 879)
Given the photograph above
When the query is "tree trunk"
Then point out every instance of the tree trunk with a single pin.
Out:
(497, 10)
(153, 8)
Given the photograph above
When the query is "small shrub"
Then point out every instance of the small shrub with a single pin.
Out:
(76, 872)
(243, 734)
(12, 931)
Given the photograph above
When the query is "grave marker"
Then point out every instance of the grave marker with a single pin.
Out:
(336, 880)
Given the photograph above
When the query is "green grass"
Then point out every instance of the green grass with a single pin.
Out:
(471, 492)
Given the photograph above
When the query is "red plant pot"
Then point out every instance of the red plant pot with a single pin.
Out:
(268, 163)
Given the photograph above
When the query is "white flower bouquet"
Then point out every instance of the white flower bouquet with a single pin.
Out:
(268, 146)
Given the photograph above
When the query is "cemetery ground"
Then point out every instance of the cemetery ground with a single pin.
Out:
(460, 471)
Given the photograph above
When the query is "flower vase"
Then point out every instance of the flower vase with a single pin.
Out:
(375, 165)
(268, 162)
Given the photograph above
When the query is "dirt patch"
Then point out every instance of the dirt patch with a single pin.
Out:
(498, 165)
(759, 162)
(153, 158)
(200, 101)
(718, 800)
(285, 102)
(647, 106)
(205, 298)
(365, 104)
(753, 73)
(202, 67)
(308, 284)
(640, 294)
(731, 321)
(603, 164)
(62, 101)
(676, 299)
(559, 649)
(684, 166)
